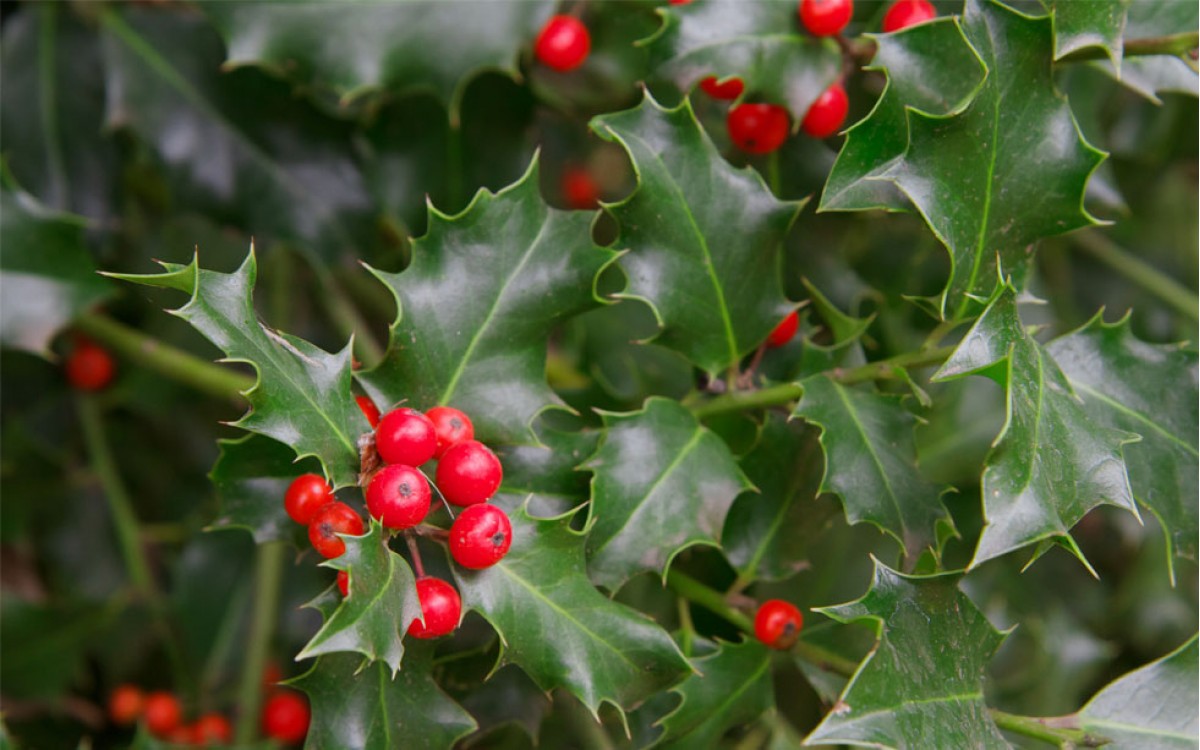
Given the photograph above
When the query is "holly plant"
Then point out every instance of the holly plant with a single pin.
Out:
(733, 374)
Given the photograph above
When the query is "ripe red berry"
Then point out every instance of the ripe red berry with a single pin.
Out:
(285, 716)
(678, 2)
(827, 113)
(405, 436)
(784, 332)
(369, 409)
(777, 624)
(163, 713)
(452, 427)
(333, 519)
(905, 13)
(125, 704)
(469, 473)
(480, 536)
(579, 190)
(211, 728)
(440, 607)
(343, 583)
(758, 128)
(305, 496)
(728, 90)
(563, 43)
(398, 496)
(825, 17)
(89, 366)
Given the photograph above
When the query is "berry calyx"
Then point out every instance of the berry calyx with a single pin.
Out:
(563, 43)
(369, 409)
(480, 536)
(125, 705)
(305, 496)
(827, 113)
(285, 716)
(777, 624)
(89, 366)
(332, 519)
(405, 436)
(579, 191)
(757, 128)
(784, 332)
(163, 713)
(398, 496)
(343, 583)
(825, 17)
(469, 473)
(212, 727)
(452, 427)
(440, 606)
(905, 13)
(729, 90)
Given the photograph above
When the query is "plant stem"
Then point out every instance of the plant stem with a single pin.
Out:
(166, 360)
(1167, 289)
(884, 369)
(268, 574)
(413, 550)
(1172, 44)
(709, 598)
(824, 658)
(1059, 731)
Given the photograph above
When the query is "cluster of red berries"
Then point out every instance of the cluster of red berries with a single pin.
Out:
(285, 717)
(89, 366)
(777, 624)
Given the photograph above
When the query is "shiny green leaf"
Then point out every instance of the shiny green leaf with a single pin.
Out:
(1157, 74)
(1096, 23)
(251, 476)
(545, 475)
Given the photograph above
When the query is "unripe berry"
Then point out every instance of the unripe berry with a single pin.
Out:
(398, 496)
(125, 705)
(89, 366)
(405, 436)
(563, 43)
(827, 113)
(905, 13)
(452, 427)
(777, 624)
(369, 409)
(333, 519)
(305, 496)
(163, 713)
(285, 716)
(784, 332)
(728, 90)
(440, 606)
(757, 128)
(469, 473)
(825, 17)
(480, 536)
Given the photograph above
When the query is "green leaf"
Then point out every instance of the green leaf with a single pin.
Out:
(662, 482)
(1156, 74)
(731, 687)
(251, 476)
(302, 397)
(44, 646)
(871, 462)
(756, 42)
(544, 476)
(1051, 463)
(356, 707)
(843, 327)
(922, 685)
(704, 237)
(1130, 385)
(476, 304)
(559, 629)
(1096, 23)
(48, 274)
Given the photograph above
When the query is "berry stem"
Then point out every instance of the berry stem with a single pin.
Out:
(441, 497)
(687, 629)
(1139, 272)
(413, 550)
(1060, 731)
(268, 576)
(709, 598)
(431, 532)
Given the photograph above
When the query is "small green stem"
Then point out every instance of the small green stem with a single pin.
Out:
(454, 165)
(1058, 731)
(268, 575)
(1171, 44)
(824, 658)
(1167, 289)
(709, 598)
(775, 395)
(774, 178)
(885, 369)
(686, 628)
(166, 360)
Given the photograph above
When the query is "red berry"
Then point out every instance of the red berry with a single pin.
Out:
(758, 128)
(305, 496)
(369, 409)
(679, 2)
(333, 519)
(729, 90)
(343, 582)
(89, 366)
(440, 606)
(285, 716)
(125, 704)
(784, 332)
(905, 13)
(480, 536)
(452, 427)
(827, 113)
(469, 473)
(778, 624)
(271, 674)
(405, 436)
(211, 728)
(579, 190)
(184, 734)
(563, 43)
(398, 496)
(825, 17)
(163, 713)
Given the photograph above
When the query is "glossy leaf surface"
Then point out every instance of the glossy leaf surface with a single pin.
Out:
(731, 687)
(251, 476)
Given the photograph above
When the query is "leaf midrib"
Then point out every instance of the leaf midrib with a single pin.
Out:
(987, 207)
(715, 713)
(850, 410)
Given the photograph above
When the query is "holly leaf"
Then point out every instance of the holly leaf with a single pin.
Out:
(661, 482)
(756, 42)
(1151, 708)
(545, 475)
(475, 305)
(1152, 75)
(1098, 23)
(302, 397)
(922, 684)
(1129, 385)
(871, 463)
(1051, 463)
(357, 707)
(559, 629)
(48, 275)
(704, 237)
(251, 477)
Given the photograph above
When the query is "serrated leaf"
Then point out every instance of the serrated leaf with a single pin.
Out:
(843, 327)
(1151, 708)
(508, 697)
(1096, 23)
(302, 397)
(1130, 385)
(757, 42)
(545, 476)
(475, 306)
(251, 476)
(560, 630)
(1051, 463)
(356, 707)
(704, 237)
(1156, 74)
(47, 274)
(661, 482)
(922, 685)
